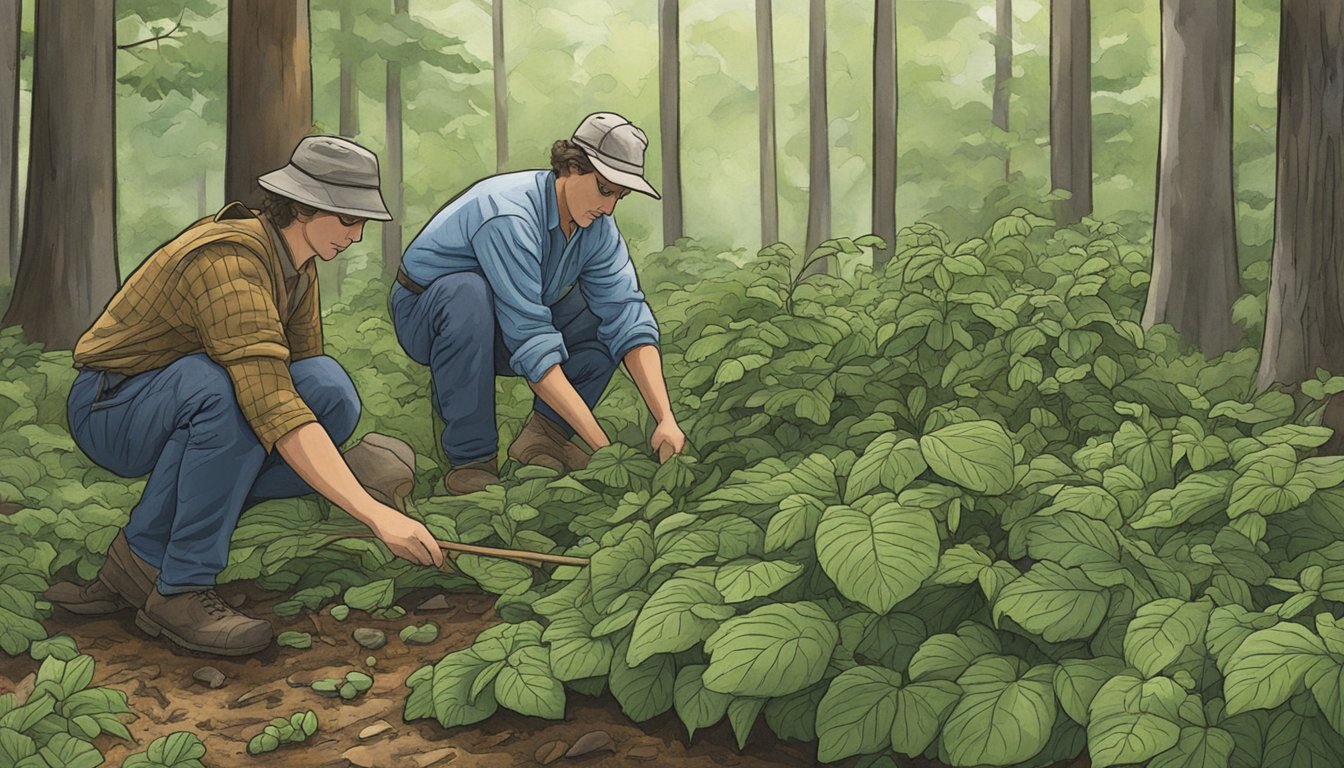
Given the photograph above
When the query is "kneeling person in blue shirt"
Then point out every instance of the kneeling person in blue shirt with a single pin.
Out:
(526, 274)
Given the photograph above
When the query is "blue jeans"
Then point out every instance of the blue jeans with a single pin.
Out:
(181, 424)
(451, 328)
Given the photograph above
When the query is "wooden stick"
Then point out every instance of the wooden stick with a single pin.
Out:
(535, 559)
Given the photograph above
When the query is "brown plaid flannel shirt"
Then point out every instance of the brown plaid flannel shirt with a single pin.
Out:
(220, 287)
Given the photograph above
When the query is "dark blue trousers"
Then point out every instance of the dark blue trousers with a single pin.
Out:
(182, 426)
(451, 328)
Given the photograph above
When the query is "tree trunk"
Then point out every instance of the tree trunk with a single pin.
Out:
(270, 91)
(1195, 276)
(765, 88)
(202, 195)
(501, 88)
(819, 165)
(884, 129)
(349, 85)
(1071, 107)
(392, 167)
(1304, 321)
(11, 12)
(669, 116)
(68, 268)
(1003, 62)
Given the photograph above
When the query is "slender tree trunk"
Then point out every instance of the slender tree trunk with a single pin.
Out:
(819, 164)
(1195, 276)
(501, 87)
(68, 268)
(884, 129)
(1304, 321)
(349, 84)
(1003, 62)
(11, 17)
(202, 196)
(669, 116)
(392, 167)
(270, 91)
(765, 88)
(1071, 107)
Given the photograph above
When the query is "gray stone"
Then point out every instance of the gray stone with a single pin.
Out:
(593, 741)
(551, 751)
(373, 639)
(209, 676)
(377, 729)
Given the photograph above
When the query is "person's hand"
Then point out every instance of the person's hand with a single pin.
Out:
(667, 439)
(408, 538)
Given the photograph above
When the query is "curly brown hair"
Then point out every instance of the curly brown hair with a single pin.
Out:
(568, 157)
(282, 211)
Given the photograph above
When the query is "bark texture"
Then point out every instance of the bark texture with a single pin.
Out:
(501, 87)
(391, 166)
(765, 89)
(68, 267)
(11, 16)
(270, 91)
(1071, 107)
(1003, 61)
(349, 85)
(1304, 321)
(1195, 277)
(884, 129)
(819, 153)
(669, 116)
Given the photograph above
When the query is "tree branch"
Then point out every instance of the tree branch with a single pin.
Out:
(156, 38)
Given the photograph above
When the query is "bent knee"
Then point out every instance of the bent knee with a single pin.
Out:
(328, 390)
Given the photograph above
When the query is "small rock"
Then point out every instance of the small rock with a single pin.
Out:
(593, 741)
(551, 751)
(437, 757)
(378, 728)
(25, 687)
(373, 639)
(259, 692)
(643, 752)
(435, 604)
(9, 507)
(209, 676)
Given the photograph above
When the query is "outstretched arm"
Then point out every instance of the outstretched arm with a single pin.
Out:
(645, 364)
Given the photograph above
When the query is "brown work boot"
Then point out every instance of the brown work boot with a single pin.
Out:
(124, 581)
(385, 466)
(542, 443)
(202, 621)
(470, 478)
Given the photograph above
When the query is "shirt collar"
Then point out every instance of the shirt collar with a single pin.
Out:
(552, 206)
(278, 242)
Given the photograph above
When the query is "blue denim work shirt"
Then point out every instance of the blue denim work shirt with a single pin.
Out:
(507, 227)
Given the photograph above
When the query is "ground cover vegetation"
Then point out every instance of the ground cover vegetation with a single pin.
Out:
(964, 507)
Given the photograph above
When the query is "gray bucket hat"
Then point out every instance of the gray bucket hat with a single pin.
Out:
(331, 174)
(616, 147)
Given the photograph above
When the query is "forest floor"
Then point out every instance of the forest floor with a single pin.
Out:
(367, 731)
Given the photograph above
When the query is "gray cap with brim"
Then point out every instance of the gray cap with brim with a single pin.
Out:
(331, 174)
(616, 148)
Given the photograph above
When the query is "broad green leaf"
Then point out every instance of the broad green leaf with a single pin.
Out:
(880, 556)
(741, 581)
(1004, 716)
(921, 710)
(444, 694)
(977, 455)
(375, 594)
(622, 561)
(857, 713)
(775, 650)
(697, 706)
(666, 623)
(960, 564)
(527, 686)
(1162, 630)
(891, 462)
(1054, 602)
(646, 690)
(796, 521)
(1271, 665)
(1078, 680)
(1125, 726)
(575, 653)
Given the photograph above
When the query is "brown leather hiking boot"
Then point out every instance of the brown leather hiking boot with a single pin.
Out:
(385, 466)
(541, 442)
(470, 478)
(202, 621)
(124, 581)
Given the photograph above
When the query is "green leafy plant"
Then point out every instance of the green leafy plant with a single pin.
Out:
(292, 730)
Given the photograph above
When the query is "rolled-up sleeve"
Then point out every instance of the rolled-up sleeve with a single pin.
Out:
(610, 285)
(509, 252)
(230, 305)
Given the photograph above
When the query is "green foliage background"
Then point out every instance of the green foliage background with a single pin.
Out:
(964, 507)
